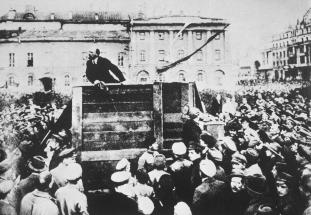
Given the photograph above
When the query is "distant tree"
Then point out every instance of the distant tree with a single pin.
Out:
(257, 64)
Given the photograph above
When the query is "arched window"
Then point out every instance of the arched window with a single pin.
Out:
(200, 76)
(142, 77)
(181, 53)
(30, 80)
(67, 80)
(181, 76)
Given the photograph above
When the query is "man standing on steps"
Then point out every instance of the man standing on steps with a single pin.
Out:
(101, 71)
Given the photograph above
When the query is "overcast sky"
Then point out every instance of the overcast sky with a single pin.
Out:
(253, 22)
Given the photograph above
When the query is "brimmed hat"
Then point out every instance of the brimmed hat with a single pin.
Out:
(145, 205)
(68, 152)
(237, 173)
(229, 144)
(285, 177)
(37, 164)
(265, 210)
(208, 139)
(73, 172)
(181, 208)
(120, 177)
(179, 148)
(238, 158)
(122, 164)
(256, 184)
(208, 168)
(215, 155)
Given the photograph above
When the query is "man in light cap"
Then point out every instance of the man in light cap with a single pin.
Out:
(121, 183)
(100, 71)
(208, 197)
(180, 170)
(70, 200)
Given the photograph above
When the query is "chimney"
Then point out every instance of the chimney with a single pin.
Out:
(141, 14)
(11, 14)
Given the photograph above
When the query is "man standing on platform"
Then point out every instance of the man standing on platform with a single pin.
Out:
(101, 71)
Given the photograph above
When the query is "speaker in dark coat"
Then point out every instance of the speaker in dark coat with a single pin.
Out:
(100, 68)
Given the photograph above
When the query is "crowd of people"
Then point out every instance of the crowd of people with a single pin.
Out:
(261, 165)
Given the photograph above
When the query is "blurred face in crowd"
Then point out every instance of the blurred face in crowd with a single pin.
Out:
(51, 146)
(238, 165)
(283, 117)
(259, 96)
(193, 155)
(244, 124)
(154, 146)
(294, 147)
(236, 184)
(244, 101)
(232, 132)
(282, 188)
(92, 55)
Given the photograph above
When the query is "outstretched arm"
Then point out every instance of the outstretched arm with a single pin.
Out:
(113, 68)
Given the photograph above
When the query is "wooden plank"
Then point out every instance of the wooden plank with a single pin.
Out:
(158, 112)
(108, 136)
(99, 97)
(117, 116)
(119, 126)
(120, 89)
(113, 145)
(76, 128)
(173, 117)
(117, 107)
(111, 155)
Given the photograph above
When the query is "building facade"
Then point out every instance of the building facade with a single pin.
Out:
(35, 45)
(289, 56)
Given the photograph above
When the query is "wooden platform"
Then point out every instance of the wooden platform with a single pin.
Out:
(107, 127)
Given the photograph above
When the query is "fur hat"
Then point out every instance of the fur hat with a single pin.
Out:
(208, 139)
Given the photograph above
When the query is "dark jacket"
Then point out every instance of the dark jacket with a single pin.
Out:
(235, 203)
(208, 198)
(191, 132)
(216, 107)
(100, 71)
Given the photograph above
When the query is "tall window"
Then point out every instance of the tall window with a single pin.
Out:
(141, 35)
(161, 55)
(217, 54)
(121, 59)
(302, 59)
(30, 80)
(161, 77)
(161, 35)
(200, 76)
(180, 53)
(11, 59)
(181, 76)
(67, 80)
(198, 35)
(200, 55)
(142, 55)
(29, 59)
